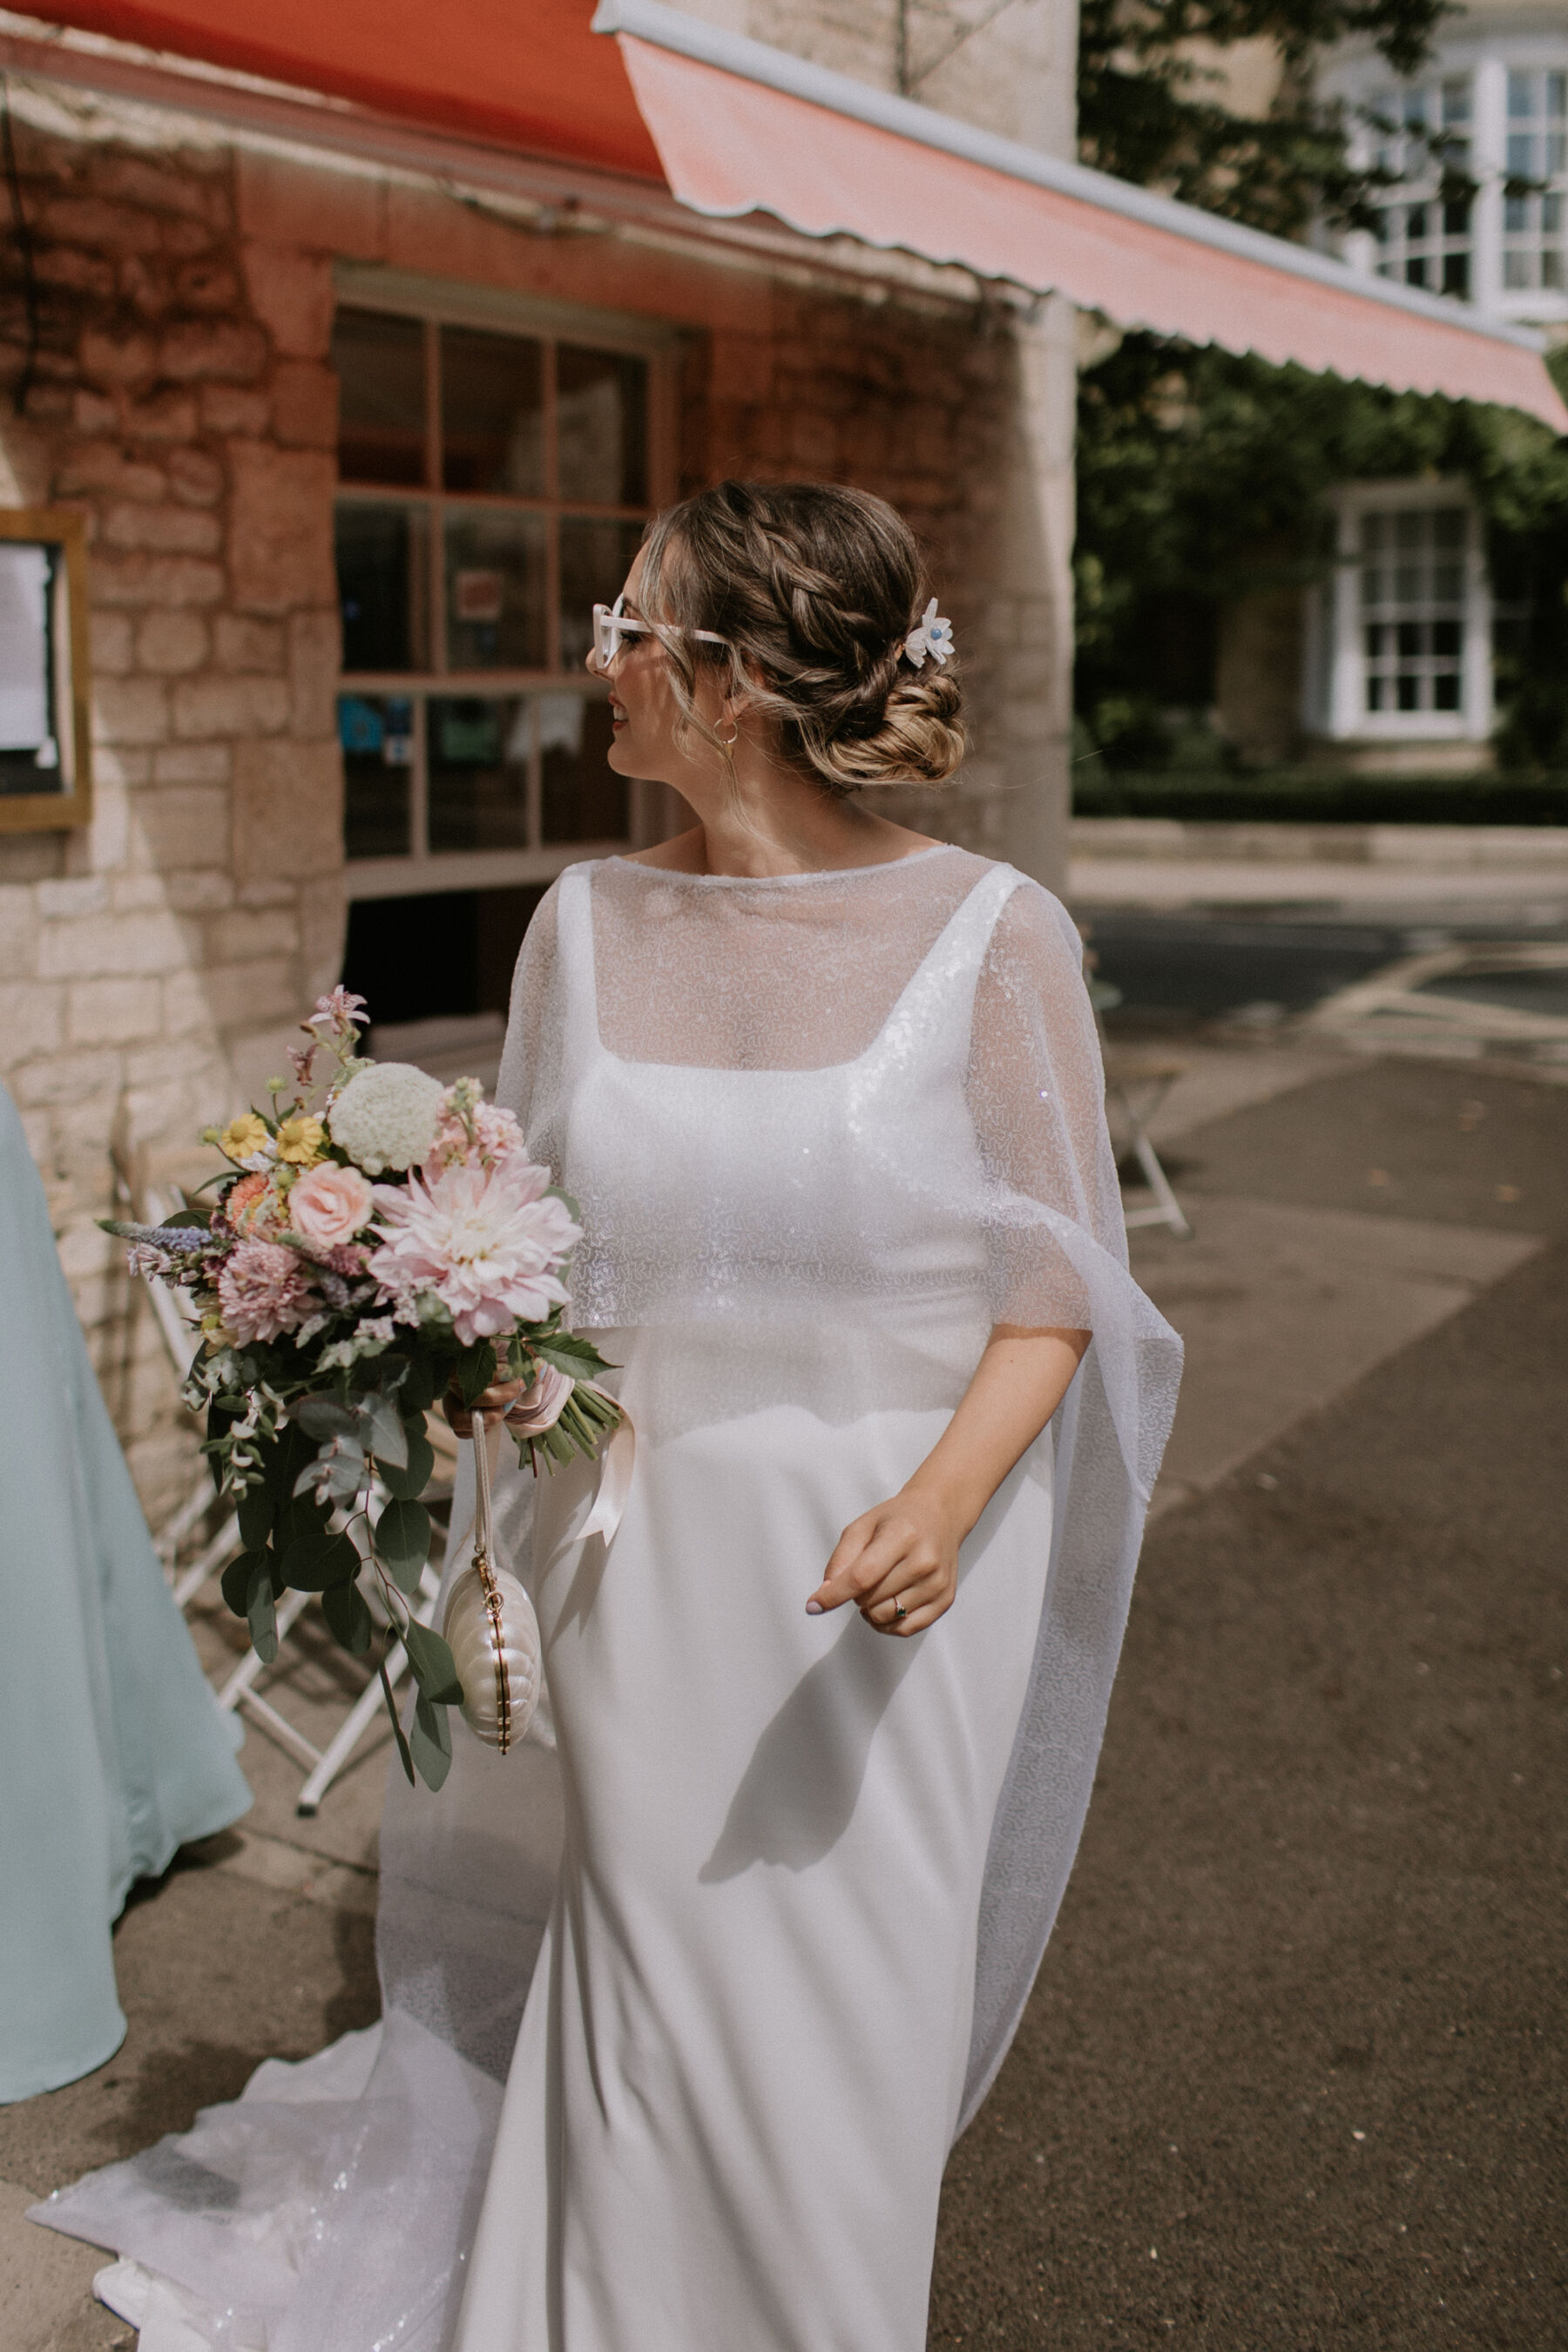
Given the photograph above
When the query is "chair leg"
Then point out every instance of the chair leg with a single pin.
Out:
(1169, 1207)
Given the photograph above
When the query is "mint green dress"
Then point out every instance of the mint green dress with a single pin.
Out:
(113, 1750)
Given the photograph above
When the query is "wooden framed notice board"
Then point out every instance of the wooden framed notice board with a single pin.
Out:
(46, 755)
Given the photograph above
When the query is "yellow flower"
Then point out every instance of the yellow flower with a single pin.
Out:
(243, 1137)
(299, 1141)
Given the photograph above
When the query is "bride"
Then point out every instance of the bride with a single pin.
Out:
(777, 1867)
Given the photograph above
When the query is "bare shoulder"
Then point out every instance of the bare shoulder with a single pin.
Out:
(686, 853)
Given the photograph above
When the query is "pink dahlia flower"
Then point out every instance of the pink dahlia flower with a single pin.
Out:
(262, 1291)
(485, 1240)
(331, 1204)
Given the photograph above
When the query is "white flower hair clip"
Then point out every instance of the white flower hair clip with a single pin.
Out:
(933, 636)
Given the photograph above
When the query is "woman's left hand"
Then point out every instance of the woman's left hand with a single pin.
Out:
(899, 1564)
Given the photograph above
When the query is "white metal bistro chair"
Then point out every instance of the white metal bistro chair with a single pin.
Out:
(1137, 1083)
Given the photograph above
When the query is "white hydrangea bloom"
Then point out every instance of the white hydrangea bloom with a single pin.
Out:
(386, 1115)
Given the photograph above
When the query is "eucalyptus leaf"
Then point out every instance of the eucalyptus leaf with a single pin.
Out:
(416, 1389)
(409, 1483)
(402, 1541)
(235, 1581)
(430, 1739)
(324, 1416)
(313, 1562)
(343, 1607)
(263, 1616)
(433, 1665)
(404, 1757)
(337, 1475)
(383, 1433)
(255, 1513)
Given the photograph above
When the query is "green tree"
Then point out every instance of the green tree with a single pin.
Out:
(1202, 474)
(1150, 105)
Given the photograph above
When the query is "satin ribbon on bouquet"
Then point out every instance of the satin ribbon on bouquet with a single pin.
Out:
(615, 1463)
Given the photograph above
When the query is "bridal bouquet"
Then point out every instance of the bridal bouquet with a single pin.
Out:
(374, 1241)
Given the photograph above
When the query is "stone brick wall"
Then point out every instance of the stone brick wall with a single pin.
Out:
(178, 400)
(915, 403)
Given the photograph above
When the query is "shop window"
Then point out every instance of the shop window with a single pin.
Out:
(493, 486)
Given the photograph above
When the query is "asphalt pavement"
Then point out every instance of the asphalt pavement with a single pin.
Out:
(1292, 2072)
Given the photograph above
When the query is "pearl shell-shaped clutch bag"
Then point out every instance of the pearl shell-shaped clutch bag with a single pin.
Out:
(493, 1636)
(492, 1632)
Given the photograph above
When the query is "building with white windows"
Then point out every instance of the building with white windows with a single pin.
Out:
(1396, 663)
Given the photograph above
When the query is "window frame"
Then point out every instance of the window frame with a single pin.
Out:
(436, 303)
(61, 527)
(1486, 58)
(1335, 670)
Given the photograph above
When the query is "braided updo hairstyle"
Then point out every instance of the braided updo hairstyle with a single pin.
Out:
(813, 590)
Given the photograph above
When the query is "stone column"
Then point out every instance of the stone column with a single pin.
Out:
(1032, 624)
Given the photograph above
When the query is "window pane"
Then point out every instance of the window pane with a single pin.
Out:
(584, 799)
(1520, 156)
(1446, 691)
(1456, 273)
(1448, 527)
(383, 572)
(1456, 101)
(477, 759)
(594, 560)
(1552, 268)
(1520, 95)
(495, 592)
(1445, 636)
(600, 427)
(1516, 269)
(1415, 223)
(376, 732)
(380, 363)
(1408, 688)
(1557, 95)
(492, 413)
(1411, 635)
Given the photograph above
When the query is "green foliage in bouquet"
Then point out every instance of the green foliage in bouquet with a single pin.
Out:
(362, 1259)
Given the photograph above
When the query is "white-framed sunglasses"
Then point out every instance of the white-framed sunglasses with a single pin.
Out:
(613, 624)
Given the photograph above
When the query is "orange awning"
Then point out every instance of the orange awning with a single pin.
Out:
(520, 73)
(731, 128)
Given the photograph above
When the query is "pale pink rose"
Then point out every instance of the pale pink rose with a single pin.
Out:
(331, 1204)
(262, 1291)
(542, 1406)
(482, 1239)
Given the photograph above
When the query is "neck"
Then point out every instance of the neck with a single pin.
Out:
(772, 820)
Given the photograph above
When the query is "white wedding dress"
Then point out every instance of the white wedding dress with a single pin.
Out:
(787, 1880)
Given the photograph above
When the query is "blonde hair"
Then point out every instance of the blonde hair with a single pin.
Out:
(813, 590)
